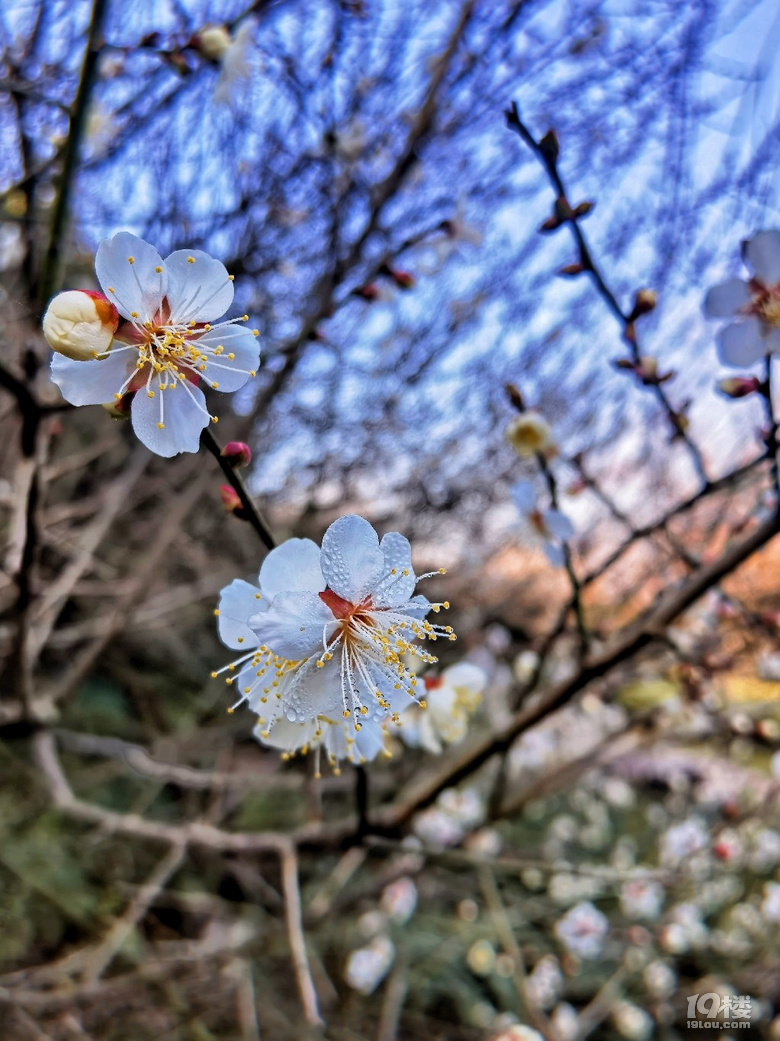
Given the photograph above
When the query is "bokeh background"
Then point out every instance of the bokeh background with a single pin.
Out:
(351, 164)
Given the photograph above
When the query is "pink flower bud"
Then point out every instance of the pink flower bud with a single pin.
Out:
(739, 386)
(231, 501)
(403, 279)
(237, 453)
(369, 291)
(80, 324)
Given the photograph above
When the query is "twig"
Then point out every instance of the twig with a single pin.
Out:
(97, 960)
(547, 153)
(294, 918)
(503, 930)
(51, 262)
(422, 792)
(392, 1006)
(251, 510)
(771, 432)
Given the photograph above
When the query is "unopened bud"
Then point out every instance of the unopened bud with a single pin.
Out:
(739, 386)
(582, 209)
(403, 279)
(550, 224)
(231, 501)
(369, 291)
(213, 42)
(570, 270)
(80, 324)
(577, 486)
(120, 409)
(549, 146)
(644, 302)
(237, 454)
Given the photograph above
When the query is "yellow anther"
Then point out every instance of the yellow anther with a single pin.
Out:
(345, 714)
(240, 639)
(190, 260)
(255, 332)
(111, 289)
(161, 426)
(158, 269)
(231, 278)
(230, 711)
(133, 314)
(150, 394)
(232, 356)
(214, 675)
(131, 260)
(363, 710)
(214, 386)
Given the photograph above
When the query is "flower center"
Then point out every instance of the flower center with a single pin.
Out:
(766, 303)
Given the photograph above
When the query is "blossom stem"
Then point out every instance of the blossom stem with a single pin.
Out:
(772, 445)
(253, 514)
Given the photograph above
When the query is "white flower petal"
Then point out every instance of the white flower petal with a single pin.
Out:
(237, 603)
(762, 253)
(230, 373)
(772, 340)
(395, 589)
(181, 409)
(726, 299)
(293, 625)
(199, 289)
(418, 607)
(284, 735)
(466, 675)
(428, 738)
(741, 343)
(292, 567)
(554, 554)
(138, 287)
(351, 561)
(370, 741)
(312, 692)
(92, 382)
(524, 496)
(558, 524)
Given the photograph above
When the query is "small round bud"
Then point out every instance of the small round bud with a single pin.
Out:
(403, 279)
(739, 386)
(644, 302)
(213, 42)
(231, 501)
(80, 324)
(237, 453)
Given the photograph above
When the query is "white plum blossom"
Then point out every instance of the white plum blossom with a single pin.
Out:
(324, 636)
(166, 344)
(682, 840)
(770, 905)
(642, 898)
(530, 434)
(450, 699)
(548, 528)
(755, 304)
(399, 900)
(367, 966)
(582, 930)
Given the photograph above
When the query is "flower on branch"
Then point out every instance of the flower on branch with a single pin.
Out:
(755, 304)
(325, 634)
(450, 699)
(530, 434)
(549, 528)
(164, 346)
